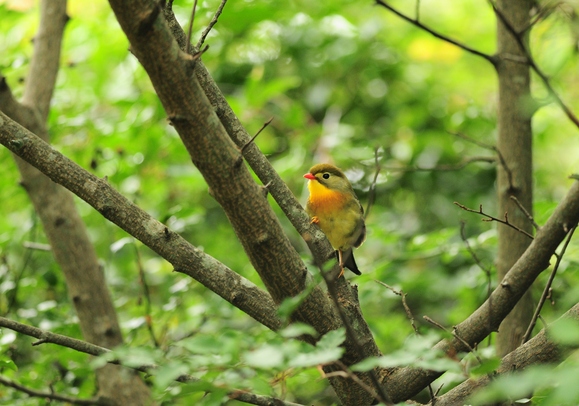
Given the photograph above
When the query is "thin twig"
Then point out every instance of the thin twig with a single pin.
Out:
(547, 289)
(484, 145)
(345, 372)
(211, 24)
(406, 307)
(518, 36)
(50, 395)
(491, 218)
(524, 210)
(248, 143)
(436, 34)
(455, 334)
(372, 191)
(190, 29)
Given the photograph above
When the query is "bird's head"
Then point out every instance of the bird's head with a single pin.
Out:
(329, 176)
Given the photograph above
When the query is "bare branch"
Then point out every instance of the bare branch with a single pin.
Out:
(491, 218)
(91, 349)
(211, 24)
(406, 382)
(118, 209)
(406, 307)
(372, 191)
(415, 22)
(243, 148)
(539, 350)
(502, 160)
(190, 30)
(547, 289)
(518, 36)
(524, 210)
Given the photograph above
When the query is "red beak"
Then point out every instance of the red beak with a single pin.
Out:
(309, 176)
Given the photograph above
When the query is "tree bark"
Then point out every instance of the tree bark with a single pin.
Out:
(514, 175)
(404, 382)
(539, 350)
(62, 224)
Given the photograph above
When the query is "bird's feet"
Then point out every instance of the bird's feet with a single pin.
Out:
(315, 220)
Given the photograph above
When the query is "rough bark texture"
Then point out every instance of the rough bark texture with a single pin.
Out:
(401, 385)
(219, 161)
(539, 350)
(121, 211)
(407, 382)
(515, 146)
(311, 233)
(63, 226)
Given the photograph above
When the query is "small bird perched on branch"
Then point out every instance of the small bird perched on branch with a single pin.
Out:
(334, 207)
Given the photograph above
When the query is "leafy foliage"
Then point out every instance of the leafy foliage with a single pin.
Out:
(342, 80)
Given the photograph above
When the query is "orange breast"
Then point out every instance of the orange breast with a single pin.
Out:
(324, 201)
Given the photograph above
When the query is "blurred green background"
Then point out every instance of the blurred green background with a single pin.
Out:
(346, 82)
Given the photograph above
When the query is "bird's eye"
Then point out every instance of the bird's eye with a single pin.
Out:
(326, 176)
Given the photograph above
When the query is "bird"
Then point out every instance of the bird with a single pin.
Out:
(335, 208)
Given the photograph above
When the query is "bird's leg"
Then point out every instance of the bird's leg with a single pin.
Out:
(341, 261)
(315, 220)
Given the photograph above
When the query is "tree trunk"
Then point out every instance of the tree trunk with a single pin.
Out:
(515, 171)
(62, 224)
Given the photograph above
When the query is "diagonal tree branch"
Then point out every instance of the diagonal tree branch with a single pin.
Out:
(540, 349)
(518, 36)
(55, 206)
(118, 209)
(407, 382)
(312, 235)
(45, 336)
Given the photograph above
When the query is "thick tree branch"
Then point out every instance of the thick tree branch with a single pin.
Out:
(540, 349)
(408, 381)
(112, 205)
(312, 235)
(45, 336)
(198, 123)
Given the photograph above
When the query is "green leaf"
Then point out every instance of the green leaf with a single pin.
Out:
(565, 331)
(487, 366)
(166, 374)
(8, 363)
(298, 329)
(268, 356)
(332, 339)
(320, 356)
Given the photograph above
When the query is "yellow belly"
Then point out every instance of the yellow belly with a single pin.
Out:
(339, 219)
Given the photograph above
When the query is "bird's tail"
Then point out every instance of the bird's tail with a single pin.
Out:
(349, 262)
